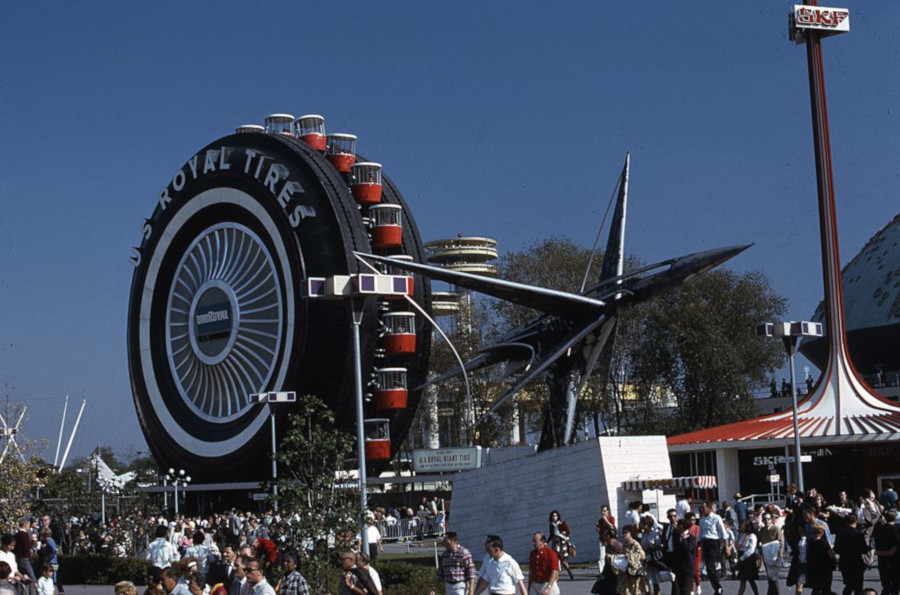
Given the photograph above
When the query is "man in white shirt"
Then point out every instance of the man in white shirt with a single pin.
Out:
(712, 537)
(373, 538)
(499, 573)
(200, 552)
(684, 505)
(160, 552)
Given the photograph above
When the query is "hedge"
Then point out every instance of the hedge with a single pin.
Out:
(102, 570)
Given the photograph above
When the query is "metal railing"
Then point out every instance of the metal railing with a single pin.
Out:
(409, 529)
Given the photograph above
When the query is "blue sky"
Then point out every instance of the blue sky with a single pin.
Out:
(503, 119)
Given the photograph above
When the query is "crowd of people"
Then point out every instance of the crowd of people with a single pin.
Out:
(202, 555)
(230, 553)
(712, 542)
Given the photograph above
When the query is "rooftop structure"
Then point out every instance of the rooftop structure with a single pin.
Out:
(462, 254)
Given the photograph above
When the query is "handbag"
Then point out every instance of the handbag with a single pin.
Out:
(639, 571)
(666, 576)
(571, 549)
(619, 562)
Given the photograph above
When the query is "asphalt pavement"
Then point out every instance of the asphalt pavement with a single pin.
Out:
(584, 579)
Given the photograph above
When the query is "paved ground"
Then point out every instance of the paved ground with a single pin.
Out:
(584, 579)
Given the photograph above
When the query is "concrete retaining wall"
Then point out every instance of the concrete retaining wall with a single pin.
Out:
(514, 498)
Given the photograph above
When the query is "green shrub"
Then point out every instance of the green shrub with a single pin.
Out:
(101, 570)
(405, 578)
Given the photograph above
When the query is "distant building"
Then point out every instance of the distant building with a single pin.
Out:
(871, 284)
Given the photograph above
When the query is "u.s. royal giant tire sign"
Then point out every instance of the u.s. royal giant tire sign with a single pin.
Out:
(215, 312)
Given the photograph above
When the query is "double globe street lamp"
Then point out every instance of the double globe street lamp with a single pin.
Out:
(791, 333)
(178, 477)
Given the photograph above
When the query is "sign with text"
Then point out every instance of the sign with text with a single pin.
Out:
(446, 459)
(824, 20)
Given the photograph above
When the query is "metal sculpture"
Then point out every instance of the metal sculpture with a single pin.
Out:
(572, 338)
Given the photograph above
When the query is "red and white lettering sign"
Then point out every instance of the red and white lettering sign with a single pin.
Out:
(821, 18)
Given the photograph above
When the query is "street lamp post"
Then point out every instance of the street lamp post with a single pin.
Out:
(791, 333)
(356, 289)
(356, 307)
(273, 398)
(176, 478)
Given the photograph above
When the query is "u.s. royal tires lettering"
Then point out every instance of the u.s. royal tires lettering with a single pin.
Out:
(215, 312)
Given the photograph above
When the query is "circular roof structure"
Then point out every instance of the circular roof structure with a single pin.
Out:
(871, 288)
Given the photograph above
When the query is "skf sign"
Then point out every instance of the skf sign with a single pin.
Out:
(826, 21)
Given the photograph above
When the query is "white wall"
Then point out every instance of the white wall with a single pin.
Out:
(727, 476)
(514, 498)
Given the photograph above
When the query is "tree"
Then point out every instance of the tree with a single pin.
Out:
(559, 263)
(316, 500)
(697, 345)
(686, 359)
(20, 477)
(474, 331)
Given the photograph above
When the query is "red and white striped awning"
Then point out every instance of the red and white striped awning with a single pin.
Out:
(703, 482)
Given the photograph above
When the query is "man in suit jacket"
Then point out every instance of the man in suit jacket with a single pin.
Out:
(239, 583)
(223, 572)
(668, 536)
(684, 559)
(850, 545)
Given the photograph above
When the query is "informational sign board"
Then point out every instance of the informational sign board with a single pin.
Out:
(446, 459)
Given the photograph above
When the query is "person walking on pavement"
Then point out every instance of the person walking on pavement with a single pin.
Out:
(499, 573)
(457, 568)
(771, 550)
(851, 547)
(561, 540)
(23, 545)
(543, 567)
(712, 536)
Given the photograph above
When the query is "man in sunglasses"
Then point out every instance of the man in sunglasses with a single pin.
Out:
(771, 546)
(256, 576)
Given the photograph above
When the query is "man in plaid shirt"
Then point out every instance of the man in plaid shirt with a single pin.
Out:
(293, 583)
(457, 569)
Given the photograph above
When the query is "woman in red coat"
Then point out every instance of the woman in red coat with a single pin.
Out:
(560, 540)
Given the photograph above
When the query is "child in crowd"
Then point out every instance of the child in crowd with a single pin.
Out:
(45, 583)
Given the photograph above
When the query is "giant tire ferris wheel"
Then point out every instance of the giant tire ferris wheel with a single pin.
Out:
(216, 312)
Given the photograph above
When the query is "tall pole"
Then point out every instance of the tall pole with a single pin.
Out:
(62, 424)
(166, 495)
(790, 344)
(274, 461)
(831, 262)
(65, 456)
(356, 306)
